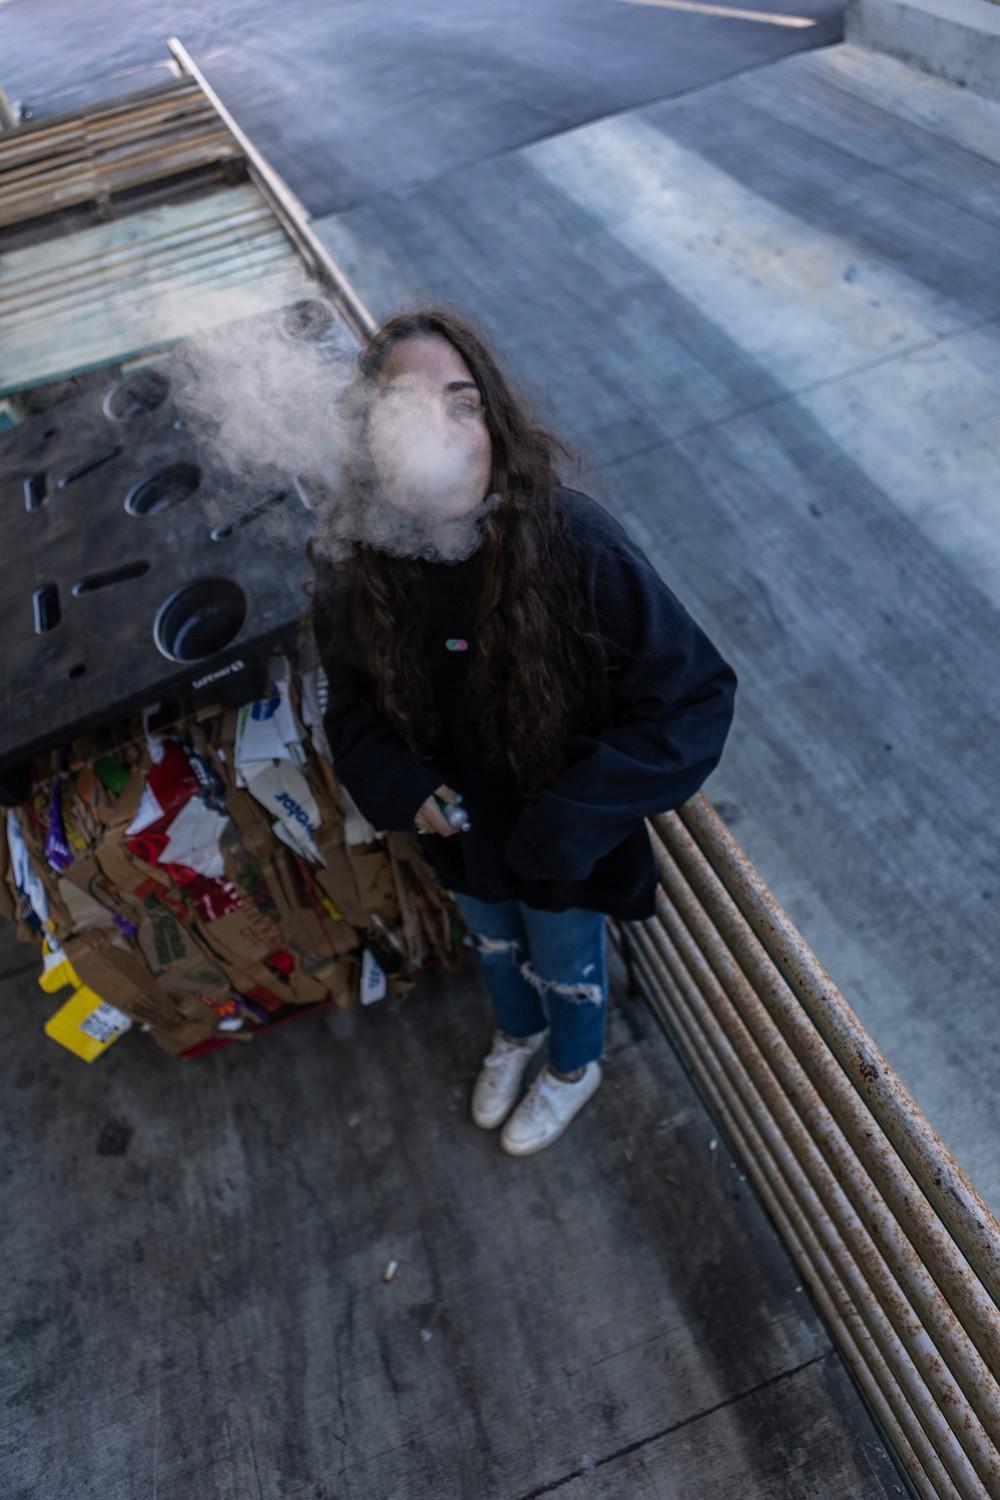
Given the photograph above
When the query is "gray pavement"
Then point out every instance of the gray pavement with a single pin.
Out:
(195, 1306)
(367, 96)
(768, 314)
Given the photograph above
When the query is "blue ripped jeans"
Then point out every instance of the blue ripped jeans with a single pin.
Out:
(543, 969)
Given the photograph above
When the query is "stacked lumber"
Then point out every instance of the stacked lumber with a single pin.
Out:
(91, 154)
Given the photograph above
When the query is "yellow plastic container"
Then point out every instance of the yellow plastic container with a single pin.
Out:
(86, 1025)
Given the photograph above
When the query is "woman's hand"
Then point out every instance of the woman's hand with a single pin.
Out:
(430, 818)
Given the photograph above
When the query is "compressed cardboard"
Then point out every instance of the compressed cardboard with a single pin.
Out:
(130, 877)
(84, 911)
(374, 880)
(184, 969)
(301, 916)
(248, 974)
(60, 922)
(336, 878)
(341, 977)
(90, 880)
(252, 824)
(149, 941)
(123, 979)
(8, 895)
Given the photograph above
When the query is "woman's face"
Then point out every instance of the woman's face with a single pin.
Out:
(427, 431)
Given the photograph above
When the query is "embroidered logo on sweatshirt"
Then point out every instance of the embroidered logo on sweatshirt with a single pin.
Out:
(454, 644)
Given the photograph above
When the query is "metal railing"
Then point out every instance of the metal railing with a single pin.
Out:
(284, 203)
(900, 1253)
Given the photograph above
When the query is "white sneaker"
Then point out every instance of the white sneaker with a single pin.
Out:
(499, 1081)
(546, 1110)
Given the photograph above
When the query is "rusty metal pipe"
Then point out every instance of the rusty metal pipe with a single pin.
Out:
(845, 1187)
(826, 1294)
(290, 212)
(908, 1348)
(954, 1196)
(715, 916)
(926, 1401)
(953, 1475)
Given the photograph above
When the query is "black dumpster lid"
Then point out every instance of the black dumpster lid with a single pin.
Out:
(118, 588)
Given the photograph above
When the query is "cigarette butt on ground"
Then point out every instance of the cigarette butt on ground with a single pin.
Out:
(390, 1270)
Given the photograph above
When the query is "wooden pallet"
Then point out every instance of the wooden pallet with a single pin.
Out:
(92, 154)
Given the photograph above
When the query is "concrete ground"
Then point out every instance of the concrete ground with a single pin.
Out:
(370, 96)
(195, 1305)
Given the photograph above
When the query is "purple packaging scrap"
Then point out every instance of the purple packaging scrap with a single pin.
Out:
(57, 851)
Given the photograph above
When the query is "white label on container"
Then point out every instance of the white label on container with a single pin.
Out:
(105, 1022)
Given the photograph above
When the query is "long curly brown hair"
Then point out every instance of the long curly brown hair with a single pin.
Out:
(535, 655)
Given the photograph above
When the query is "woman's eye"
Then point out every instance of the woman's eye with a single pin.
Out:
(465, 407)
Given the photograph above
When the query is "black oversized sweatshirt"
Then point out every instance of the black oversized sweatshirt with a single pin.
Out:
(665, 705)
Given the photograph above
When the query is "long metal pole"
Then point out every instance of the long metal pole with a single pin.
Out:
(286, 206)
(946, 1185)
(864, 1358)
(842, 1179)
(819, 1200)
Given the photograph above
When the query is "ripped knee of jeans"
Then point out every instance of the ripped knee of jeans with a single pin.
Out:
(579, 990)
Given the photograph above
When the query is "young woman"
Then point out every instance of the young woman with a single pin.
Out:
(495, 640)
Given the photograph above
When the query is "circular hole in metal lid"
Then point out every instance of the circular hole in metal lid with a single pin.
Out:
(159, 491)
(200, 619)
(136, 394)
(309, 320)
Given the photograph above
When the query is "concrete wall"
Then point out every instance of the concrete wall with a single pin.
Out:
(956, 39)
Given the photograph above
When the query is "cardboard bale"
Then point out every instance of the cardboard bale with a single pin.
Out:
(326, 790)
(303, 920)
(341, 977)
(84, 910)
(285, 930)
(132, 878)
(182, 966)
(91, 881)
(11, 899)
(426, 905)
(337, 880)
(108, 786)
(189, 1034)
(33, 832)
(8, 893)
(373, 877)
(122, 977)
(252, 824)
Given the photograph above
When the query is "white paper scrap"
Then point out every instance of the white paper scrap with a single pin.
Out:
(148, 812)
(25, 878)
(283, 791)
(258, 733)
(373, 980)
(193, 839)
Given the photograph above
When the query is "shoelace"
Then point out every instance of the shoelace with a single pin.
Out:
(496, 1059)
(539, 1095)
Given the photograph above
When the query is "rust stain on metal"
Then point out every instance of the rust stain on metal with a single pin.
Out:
(905, 1249)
